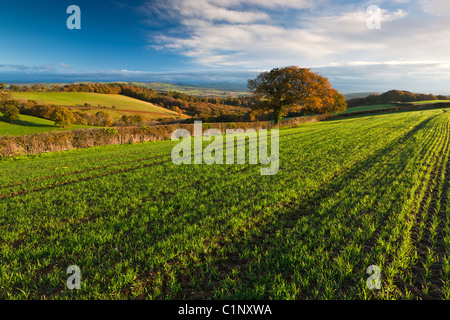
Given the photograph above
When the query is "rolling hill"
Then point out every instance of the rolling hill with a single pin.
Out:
(202, 90)
(391, 97)
(116, 105)
(30, 125)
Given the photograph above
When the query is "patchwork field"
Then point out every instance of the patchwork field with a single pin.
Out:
(122, 104)
(349, 194)
(223, 91)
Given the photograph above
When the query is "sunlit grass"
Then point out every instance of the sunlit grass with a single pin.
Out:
(349, 194)
(30, 125)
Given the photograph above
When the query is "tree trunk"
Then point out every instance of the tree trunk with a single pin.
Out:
(277, 114)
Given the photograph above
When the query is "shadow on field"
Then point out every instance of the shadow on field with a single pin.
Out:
(28, 123)
(264, 237)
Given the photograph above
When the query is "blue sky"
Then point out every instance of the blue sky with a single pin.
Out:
(199, 41)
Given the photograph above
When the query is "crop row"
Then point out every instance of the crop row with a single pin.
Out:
(141, 227)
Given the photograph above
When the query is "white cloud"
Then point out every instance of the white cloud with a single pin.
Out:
(435, 7)
(207, 10)
(228, 35)
(411, 47)
(415, 76)
(270, 4)
(26, 68)
(222, 37)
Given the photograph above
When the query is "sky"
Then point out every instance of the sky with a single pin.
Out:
(398, 44)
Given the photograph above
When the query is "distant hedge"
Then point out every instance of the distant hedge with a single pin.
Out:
(83, 138)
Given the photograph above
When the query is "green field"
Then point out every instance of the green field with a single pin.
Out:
(388, 106)
(349, 194)
(225, 92)
(120, 102)
(430, 101)
(369, 108)
(30, 125)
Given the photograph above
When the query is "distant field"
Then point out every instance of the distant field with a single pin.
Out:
(194, 90)
(354, 109)
(369, 108)
(349, 194)
(354, 95)
(429, 101)
(120, 102)
(31, 125)
(388, 106)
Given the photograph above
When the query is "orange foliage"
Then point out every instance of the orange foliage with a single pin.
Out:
(280, 89)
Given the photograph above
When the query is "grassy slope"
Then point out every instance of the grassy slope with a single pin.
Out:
(195, 90)
(94, 99)
(30, 125)
(369, 108)
(388, 106)
(346, 196)
(356, 109)
(429, 101)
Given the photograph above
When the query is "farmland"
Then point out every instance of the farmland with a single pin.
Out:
(430, 101)
(115, 104)
(30, 125)
(350, 193)
(226, 90)
(369, 108)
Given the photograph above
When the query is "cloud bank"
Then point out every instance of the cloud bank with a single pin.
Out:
(262, 33)
(233, 40)
(412, 45)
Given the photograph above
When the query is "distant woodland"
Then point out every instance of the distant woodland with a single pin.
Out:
(393, 96)
(207, 109)
(204, 108)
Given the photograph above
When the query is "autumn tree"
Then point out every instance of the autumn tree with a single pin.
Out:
(125, 120)
(179, 111)
(104, 119)
(2, 86)
(279, 89)
(36, 87)
(62, 117)
(5, 97)
(80, 118)
(137, 118)
(10, 113)
(14, 88)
